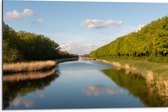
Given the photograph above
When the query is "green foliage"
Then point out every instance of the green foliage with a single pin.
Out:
(9, 54)
(26, 46)
(151, 42)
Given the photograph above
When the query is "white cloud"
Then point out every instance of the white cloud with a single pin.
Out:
(66, 47)
(140, 26)
(27, 12)
(77, 48)
(15, 15)
(38, 21)
(78, 44)
(96, 24)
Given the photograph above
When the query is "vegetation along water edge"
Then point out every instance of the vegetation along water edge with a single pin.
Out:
(32, 66)
(143, 53)
(26, 52)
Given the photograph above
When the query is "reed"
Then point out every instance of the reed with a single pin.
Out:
(28, 66)
(139, 67)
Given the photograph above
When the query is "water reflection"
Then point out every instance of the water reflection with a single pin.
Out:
(13, 89)
(101, 89)
(41, 94)
(138, 87)
(27, 76)
(79, 87)
(83, 65)
(27, 103)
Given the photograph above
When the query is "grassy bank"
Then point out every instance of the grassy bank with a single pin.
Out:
(155, 74)
(139, 67)
(159, 70)
(32, 66)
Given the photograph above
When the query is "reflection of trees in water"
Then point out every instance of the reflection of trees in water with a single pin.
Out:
(136, 86)
(27, 76)
(13, 89)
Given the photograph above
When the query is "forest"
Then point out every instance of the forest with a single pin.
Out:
(150, 43)
(25, 46)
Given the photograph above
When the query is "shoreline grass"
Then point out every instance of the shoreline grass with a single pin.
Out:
(155, 74)
(28, 66)
(138, 67)
(32, 66)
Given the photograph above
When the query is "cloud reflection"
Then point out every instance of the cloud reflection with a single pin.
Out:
(41, 94)
(28, 103)
(100, 89)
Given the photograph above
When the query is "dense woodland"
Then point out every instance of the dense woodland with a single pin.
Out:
(26, 46)
(151, 42)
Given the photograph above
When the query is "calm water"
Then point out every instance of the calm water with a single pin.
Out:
(79, 84)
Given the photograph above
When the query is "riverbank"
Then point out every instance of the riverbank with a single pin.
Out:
(154, 74)
(138, 67)
(32, 66)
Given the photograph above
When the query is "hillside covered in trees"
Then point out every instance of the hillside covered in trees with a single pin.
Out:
(151, 42)
(25, 46)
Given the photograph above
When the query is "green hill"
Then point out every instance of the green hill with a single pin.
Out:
(151, 42)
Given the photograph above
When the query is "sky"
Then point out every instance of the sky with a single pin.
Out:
(80, 27)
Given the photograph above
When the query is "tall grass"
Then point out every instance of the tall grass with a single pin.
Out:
(160, 70)
(28, 66)
(33, 66)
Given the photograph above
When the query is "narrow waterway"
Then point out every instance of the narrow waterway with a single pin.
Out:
(79, 84)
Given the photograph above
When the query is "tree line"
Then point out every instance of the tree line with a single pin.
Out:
(26, 46)
(151, 41)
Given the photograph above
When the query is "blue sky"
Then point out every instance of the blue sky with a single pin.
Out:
(79, 27)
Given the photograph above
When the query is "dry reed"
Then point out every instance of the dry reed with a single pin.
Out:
(28, 66)
(149, 76)
(161, 87)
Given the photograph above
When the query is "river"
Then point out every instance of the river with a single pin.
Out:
(80, 84)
